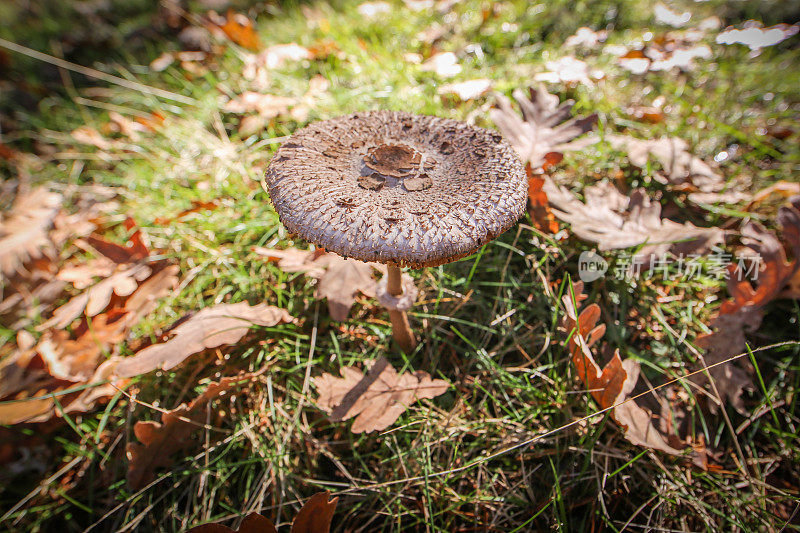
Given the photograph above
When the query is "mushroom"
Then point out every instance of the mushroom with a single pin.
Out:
(395, 188)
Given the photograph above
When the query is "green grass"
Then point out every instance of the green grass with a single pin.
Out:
(440, 467)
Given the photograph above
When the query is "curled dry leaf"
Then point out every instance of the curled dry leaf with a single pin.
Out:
(545, 125)
(613, 384)
(24, 231)
(338, 279)
(219, 325)
(376, 399)
(159, 441)
(616, 221)
(124, 278)
(314, 517)
(744, 312)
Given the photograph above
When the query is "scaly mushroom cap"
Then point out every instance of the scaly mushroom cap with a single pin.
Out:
(397, 188)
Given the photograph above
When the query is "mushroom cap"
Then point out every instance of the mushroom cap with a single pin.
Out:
(396, 188)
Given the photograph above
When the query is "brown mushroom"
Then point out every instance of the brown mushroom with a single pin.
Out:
(395, 188)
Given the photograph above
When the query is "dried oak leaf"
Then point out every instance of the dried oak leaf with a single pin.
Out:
(338, 279)
(613, 384)
(744, 312)
(314, 517)
(159, 441)
(545, 125)
(615, 221)
(679, 166)
(24, 231)
(214, 326)
(376, 399)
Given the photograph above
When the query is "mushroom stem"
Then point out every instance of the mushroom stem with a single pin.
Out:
(395, 284)
(401, 329)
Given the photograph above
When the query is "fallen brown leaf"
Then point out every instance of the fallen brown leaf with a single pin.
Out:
(158, 441)
(586, 37)
(444, 64)
(122, 281)
(266, 105)
(338, 279)
(214, 326)
(670, 51)
(252, 523)
(376, 399)
(83, 274)
(80, 358)
(615, 221)
(545, 125)
(680, 167)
